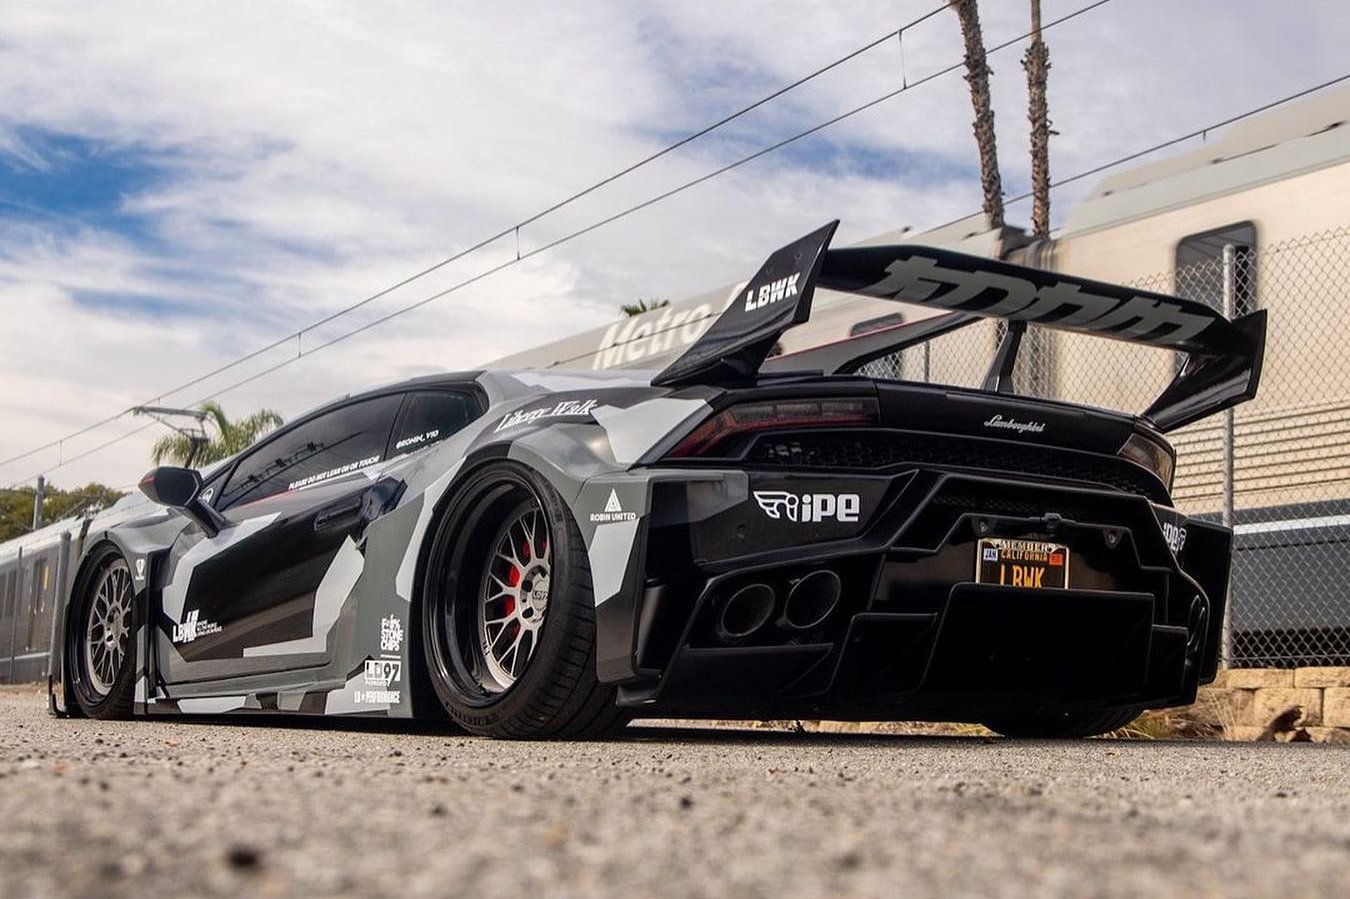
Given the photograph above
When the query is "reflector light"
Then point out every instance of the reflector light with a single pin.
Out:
(766, 416)
(1151, 455)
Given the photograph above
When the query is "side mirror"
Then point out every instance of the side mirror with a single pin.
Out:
(180, 488)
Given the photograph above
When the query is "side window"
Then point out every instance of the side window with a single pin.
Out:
(429, 418)
(332, 445)
(1200, 273)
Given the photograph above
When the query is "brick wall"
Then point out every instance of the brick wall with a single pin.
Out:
(1245, 700)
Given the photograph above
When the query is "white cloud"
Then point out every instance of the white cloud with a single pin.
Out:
(306, 155)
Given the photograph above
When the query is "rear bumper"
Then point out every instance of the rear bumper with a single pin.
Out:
(912, 636)
(988, 650)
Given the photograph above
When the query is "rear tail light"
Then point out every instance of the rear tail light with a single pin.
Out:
(1151, 455)
(772, 415)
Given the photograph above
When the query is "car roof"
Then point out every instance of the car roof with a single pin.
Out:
(497, 384)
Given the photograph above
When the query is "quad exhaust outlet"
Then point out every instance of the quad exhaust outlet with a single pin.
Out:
(1197, 622)
(745, 611)
(810, 600)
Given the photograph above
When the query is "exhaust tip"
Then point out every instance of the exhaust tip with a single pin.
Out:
(745, 611)
(1197, 623)
(811, 600)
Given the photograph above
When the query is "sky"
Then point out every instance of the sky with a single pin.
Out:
(184, 183)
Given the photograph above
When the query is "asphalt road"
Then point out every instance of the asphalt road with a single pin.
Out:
(170, 808)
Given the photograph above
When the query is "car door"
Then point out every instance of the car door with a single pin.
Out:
(263, 593)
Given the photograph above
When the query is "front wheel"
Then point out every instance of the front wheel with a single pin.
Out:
(508, 618)
(1061, 725)
(100, 645)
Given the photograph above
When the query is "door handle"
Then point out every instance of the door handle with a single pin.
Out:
(361, 509)
(339, 514)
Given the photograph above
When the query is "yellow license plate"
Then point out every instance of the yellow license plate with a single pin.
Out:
(1030, 564)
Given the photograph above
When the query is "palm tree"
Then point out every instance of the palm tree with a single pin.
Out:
(977, 76)
(641, 306)
(229, 437)
(1036, 62)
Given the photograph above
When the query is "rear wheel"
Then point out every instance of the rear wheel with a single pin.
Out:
(508, 618)
(100, 646)
(1063, 724)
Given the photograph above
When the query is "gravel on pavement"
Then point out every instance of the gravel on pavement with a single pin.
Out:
(282, 808)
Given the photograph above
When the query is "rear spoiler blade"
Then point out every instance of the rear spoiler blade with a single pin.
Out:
(1223, 365)
(956, 282)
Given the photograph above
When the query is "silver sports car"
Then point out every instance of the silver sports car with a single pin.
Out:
(547, 553)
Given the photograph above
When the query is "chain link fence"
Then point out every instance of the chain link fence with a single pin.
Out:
(1277, 469)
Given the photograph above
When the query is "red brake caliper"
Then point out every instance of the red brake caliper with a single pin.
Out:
(512, 580)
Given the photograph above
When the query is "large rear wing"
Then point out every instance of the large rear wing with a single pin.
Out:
(1223, 358)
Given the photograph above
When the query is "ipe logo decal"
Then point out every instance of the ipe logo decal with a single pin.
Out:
(1175, 537)
(804, 508)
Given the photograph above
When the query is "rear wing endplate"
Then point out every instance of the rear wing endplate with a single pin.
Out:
(775, 299)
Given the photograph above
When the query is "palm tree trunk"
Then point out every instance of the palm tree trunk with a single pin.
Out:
(1036, 62)
(977, 76)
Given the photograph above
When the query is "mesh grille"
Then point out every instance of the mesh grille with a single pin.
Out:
(870, 450)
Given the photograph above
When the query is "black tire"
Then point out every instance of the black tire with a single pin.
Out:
(554, 692)
(103, 684)
(1063, 725)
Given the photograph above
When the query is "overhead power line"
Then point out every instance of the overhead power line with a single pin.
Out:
(715, 173)
(706, 177)
(651, 201)
(1078, 176)
(486, 241)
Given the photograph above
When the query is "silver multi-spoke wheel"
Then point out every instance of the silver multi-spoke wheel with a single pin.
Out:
(514, 597)
(107, 630)
(508, 612)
